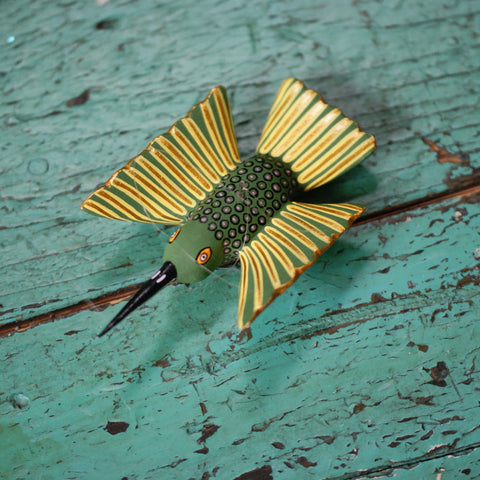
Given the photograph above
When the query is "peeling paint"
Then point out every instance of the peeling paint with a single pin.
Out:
(442, 154)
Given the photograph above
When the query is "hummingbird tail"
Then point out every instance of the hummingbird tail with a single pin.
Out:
(316, 139)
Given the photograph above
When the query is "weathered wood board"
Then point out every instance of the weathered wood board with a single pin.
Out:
(366, 368)
(386, 385)
(407, 78)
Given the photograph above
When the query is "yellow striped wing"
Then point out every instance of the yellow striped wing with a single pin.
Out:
(176, 170)
(316, 139)
(288, 245)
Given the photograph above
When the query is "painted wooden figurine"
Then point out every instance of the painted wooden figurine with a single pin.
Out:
(226, 209)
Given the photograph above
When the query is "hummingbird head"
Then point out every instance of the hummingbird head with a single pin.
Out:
(192, 253)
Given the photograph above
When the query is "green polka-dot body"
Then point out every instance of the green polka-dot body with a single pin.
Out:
(244, 200)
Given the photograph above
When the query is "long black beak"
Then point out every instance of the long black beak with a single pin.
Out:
(163, 277)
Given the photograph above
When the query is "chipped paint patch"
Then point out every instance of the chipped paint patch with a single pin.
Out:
(443, 156)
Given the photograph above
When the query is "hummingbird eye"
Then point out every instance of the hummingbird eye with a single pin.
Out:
(204, 255)
(174, 235)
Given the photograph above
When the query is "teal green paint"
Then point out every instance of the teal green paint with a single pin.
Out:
(405, 73)
(384, 70)
(295, 382)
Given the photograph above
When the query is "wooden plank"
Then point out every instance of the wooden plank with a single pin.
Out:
(365, 368)
(385, 71)
(367, 374)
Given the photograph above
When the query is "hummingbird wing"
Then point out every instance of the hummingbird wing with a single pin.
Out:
(289, 244)
(314, 138)
(177, 169)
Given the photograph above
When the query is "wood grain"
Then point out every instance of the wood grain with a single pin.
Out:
(384, 386)
(426, 93)
(366, 368)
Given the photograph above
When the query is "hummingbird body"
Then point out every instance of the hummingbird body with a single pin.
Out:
(233, 213)
(229, 210)
(244, 200)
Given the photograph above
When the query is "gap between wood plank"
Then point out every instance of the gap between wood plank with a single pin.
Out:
(103, 301)
(435, 453)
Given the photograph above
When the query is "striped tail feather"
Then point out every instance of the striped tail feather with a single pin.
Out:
(177, 169)
(288, 245)
(316, 139)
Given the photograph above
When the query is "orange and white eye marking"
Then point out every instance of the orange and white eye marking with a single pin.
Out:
(204, 255)
(174, 235)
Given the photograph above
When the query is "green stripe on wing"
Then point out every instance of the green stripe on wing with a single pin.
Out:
(288, 245)
(176, 170)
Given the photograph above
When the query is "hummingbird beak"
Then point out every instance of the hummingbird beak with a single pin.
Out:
(163, 277)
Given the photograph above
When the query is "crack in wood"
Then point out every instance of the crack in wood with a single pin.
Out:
(97, 304)
(433, 454)
(470, 193)
(465, 194)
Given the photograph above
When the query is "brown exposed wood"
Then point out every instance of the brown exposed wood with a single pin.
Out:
(471, 193)
(442, 154)
(98, 304)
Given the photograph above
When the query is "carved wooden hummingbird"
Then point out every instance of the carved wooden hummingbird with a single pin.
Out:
(227, 209)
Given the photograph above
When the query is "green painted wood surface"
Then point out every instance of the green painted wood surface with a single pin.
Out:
(404, 76)
(336, 381)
